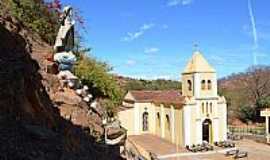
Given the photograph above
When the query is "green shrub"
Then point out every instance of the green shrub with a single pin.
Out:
(247, 113)
(96, 75)
(36, 15)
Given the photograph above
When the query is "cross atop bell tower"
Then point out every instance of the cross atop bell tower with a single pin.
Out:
(195, 47)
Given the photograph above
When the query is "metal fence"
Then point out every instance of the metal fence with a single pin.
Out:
(247, 130)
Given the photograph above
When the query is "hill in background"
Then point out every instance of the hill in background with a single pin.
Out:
(246, 93)
(127, 83)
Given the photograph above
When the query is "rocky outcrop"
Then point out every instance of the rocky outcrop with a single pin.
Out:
(37, 121)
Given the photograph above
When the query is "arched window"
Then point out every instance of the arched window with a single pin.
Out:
(211, 107)
(168, 124)
(158, 120)
(209, 84)
(207, 108)
(145, 121)
(203, 84)
(203, 108)
(189, 85)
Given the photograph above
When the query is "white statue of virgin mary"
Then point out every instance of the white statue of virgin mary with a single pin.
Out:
(65, 37)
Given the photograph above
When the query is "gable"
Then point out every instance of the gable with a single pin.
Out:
(129, 96)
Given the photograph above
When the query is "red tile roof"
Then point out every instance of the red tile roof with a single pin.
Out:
(160, 97)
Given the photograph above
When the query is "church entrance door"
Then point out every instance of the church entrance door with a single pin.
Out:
(207, 130)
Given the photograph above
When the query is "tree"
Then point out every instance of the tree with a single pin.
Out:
(257, 83)
(40, 16)
(247, 92)
(110, 107)
(35, 15)
(264, 102)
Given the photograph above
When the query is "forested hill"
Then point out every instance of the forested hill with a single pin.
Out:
(246, 93)
(127, 83)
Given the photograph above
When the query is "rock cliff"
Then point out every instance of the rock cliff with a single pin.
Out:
(36, 120)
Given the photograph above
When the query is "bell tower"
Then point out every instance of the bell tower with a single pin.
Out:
(199, 78)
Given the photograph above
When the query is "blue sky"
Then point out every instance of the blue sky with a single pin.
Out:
(154, 38)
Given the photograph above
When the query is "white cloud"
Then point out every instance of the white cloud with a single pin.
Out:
(130, 62)
(147, 26)
(186, 2)
(151, 50)
(152, 77)
(166, 77)
(164, 26)
(172, 3)
(132, 36)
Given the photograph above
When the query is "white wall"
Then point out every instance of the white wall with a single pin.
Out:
(216, 129)
(197, 85)
(223, 121)
(172, 123)
(126, 118)
(199, 131)
(187, 125)
(136, 119)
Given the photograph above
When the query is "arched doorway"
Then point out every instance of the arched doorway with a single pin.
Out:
(145, 121)
(207, 130)
(167, 128)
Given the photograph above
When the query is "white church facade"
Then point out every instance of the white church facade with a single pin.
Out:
(187, 117)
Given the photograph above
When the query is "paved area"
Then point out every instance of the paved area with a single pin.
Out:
(202, 157)
(156, 145)
(256, 151)
(168, 151)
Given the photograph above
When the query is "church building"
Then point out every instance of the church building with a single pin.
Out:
(187, 117)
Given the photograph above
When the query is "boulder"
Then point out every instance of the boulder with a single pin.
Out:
(67, 98)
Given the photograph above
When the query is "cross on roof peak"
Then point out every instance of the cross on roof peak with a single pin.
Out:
(195, 47)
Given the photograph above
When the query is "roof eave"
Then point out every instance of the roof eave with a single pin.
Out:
(198, 72)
